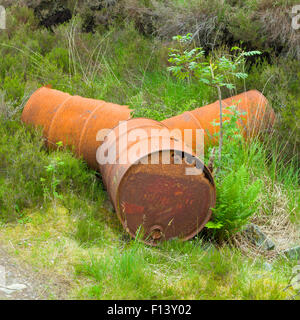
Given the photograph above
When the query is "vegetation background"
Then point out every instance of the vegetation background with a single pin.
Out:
(54, 212)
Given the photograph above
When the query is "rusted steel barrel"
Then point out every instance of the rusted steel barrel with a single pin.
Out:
(158, 187)
(258, 116)
(74, 120)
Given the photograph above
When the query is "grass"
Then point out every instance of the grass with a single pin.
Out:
(63, 226)
(130, 270)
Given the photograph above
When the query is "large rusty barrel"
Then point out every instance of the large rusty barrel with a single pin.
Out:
(156, 183)
(74, 120)
(256, 117)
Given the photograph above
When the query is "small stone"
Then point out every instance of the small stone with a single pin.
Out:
(16, 286)
(257, 237)
(292, 253)
(6, 291)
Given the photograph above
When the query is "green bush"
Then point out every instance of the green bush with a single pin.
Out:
(31, 177)
(13, 88)
(60, 57)
(281, 87)
(237, 189)
(22, 162)
(237, 201)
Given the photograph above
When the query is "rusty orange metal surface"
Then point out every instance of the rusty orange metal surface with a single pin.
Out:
(74, 120)
(160, 199)
(259, 116)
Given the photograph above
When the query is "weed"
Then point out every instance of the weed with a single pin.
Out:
(237, 201)
(189, 64)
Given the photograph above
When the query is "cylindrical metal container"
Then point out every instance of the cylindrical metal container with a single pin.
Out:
(156, 184)
(258, 116)
(74, 120)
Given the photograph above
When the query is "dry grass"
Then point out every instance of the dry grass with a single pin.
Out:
(276, 25)
(190, 18)
(274, 220)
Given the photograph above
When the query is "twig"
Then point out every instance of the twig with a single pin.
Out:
(211, 160)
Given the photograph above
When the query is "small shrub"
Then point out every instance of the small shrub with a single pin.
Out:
(13, 88)
(281, 87)
(60, 57)
(31, 177)
(237, 191)
(237, 197)
(22, 161)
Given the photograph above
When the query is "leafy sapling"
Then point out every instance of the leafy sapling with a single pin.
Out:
(192, 64)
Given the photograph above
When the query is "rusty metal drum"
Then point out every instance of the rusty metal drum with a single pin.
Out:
(258, 116)
(74, 120)
(159, 189)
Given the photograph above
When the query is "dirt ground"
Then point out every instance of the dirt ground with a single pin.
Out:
(19, 282)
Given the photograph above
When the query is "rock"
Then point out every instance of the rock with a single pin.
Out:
(12, 288)
(292, 253)
(16, 287)
(257, 237)
(6, 291)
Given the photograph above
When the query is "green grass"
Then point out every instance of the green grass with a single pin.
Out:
(180, 271)
(64, 224)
